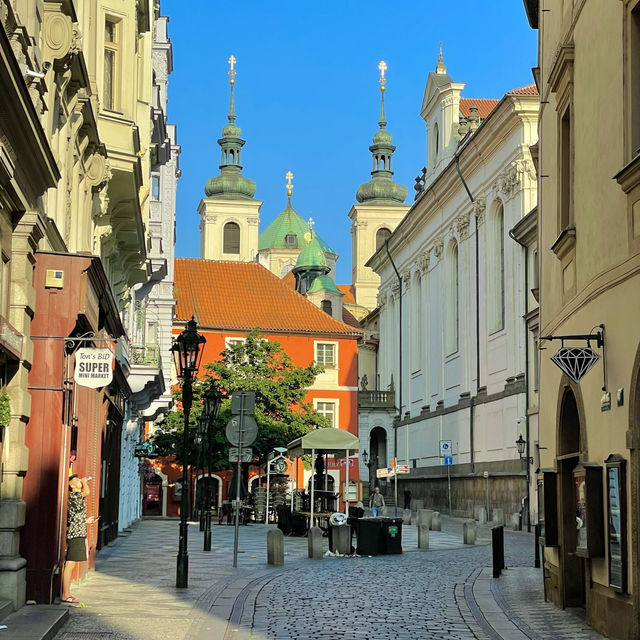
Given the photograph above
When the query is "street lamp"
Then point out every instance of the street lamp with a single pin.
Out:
(211, 403)
(521, 443)
(187, 352)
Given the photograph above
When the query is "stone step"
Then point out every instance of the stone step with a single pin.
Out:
(35, 622)
(6, 607)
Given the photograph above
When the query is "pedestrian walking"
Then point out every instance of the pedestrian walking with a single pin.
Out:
(76, 532)
(376, 502)
(407, 499)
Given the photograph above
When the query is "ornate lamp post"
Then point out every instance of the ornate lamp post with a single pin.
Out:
(212, 401)
(187, 353)
(521, 443)
(369, 464)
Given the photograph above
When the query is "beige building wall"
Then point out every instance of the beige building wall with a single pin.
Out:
(367, 220)
(215, 213)
(589, 245)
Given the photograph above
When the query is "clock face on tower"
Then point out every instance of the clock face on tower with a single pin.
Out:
(280, 466)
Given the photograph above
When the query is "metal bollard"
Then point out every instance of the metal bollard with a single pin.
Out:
(207, 531)
(497, 548)
(536, 536)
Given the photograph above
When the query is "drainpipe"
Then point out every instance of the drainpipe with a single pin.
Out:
(526, 376)
(395, 431)
(477, 279)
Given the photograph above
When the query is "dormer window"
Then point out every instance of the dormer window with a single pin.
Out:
(291, 241)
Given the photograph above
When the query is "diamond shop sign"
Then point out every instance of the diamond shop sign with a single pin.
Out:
(577, 361)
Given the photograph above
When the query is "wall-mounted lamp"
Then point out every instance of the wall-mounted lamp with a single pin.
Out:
(521, 443)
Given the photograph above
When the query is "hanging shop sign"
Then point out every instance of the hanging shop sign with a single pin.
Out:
(94, 367)
(577, 361)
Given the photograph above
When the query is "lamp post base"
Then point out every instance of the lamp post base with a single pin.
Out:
(182, 568)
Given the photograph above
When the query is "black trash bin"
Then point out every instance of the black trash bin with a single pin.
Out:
(391, 535)
(369, 535)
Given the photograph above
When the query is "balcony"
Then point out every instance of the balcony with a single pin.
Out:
(376, 399)
(146, 356)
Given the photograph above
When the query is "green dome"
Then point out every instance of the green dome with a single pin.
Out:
(382, 189)
(231, 131)
(324, 283)
(382, 137)
(230, 184)
(288, 223)
(312, 255)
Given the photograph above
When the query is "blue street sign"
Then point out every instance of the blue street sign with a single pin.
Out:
(448, 460)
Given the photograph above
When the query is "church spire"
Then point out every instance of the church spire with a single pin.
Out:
(231, 184)
(232, 82)
(381, 188)
(440, 68)
(383, 81)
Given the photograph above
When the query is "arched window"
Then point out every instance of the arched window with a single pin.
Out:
(452, 300)
(496, 264)
(327, 307)
(231, 238)
(381, 236)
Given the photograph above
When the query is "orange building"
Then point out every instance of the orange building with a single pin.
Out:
(229, 299)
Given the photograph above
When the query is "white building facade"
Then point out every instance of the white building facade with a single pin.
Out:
(150, 321)
(456, 360)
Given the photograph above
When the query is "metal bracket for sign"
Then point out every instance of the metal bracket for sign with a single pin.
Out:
(71, 342)
(598, 337)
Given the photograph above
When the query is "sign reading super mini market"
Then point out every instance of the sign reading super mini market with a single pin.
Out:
(94, 367)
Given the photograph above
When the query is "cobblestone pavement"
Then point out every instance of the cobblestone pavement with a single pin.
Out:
(418, 595)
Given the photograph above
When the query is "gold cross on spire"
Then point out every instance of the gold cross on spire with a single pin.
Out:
(289, 178)
(232, 71)
(383, 67)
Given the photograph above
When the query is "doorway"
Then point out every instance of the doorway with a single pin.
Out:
(152, 498)
(569, 455)
(378, 453)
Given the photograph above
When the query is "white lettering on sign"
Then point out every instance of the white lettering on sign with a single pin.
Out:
(94, 367)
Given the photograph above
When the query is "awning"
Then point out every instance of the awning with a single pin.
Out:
(330, 441)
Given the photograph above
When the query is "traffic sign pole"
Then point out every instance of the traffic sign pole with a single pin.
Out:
(238, 483)
(449, 483)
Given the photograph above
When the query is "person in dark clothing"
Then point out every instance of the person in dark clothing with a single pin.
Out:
(407, 499)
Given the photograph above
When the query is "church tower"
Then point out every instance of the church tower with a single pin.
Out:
(380, 209)
(229, 214)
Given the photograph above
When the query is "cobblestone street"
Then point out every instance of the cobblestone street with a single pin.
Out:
(442, 593)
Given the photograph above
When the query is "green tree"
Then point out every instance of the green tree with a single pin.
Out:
(258, 365)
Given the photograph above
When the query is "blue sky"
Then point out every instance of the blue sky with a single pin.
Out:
(307, 95)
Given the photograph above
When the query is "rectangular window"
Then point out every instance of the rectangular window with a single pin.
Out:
(326, 354)
(155, 187)
(291, 240)
(327, 410)
(109, 85)
(232, 342)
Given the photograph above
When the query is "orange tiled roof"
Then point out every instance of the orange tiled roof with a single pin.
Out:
(528, 90)
(348, 291)
(289, 280)
(485, 106)
(243, 296)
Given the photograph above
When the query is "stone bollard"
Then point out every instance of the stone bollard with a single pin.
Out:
(341, 539)
(515, 522)
(423, 536)
(315, 543)
(275, 548)
(469, 532)
(497, 517)
(480, 514)
(417, 504)
(406, 516)
(436, 522)
(424, 517)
